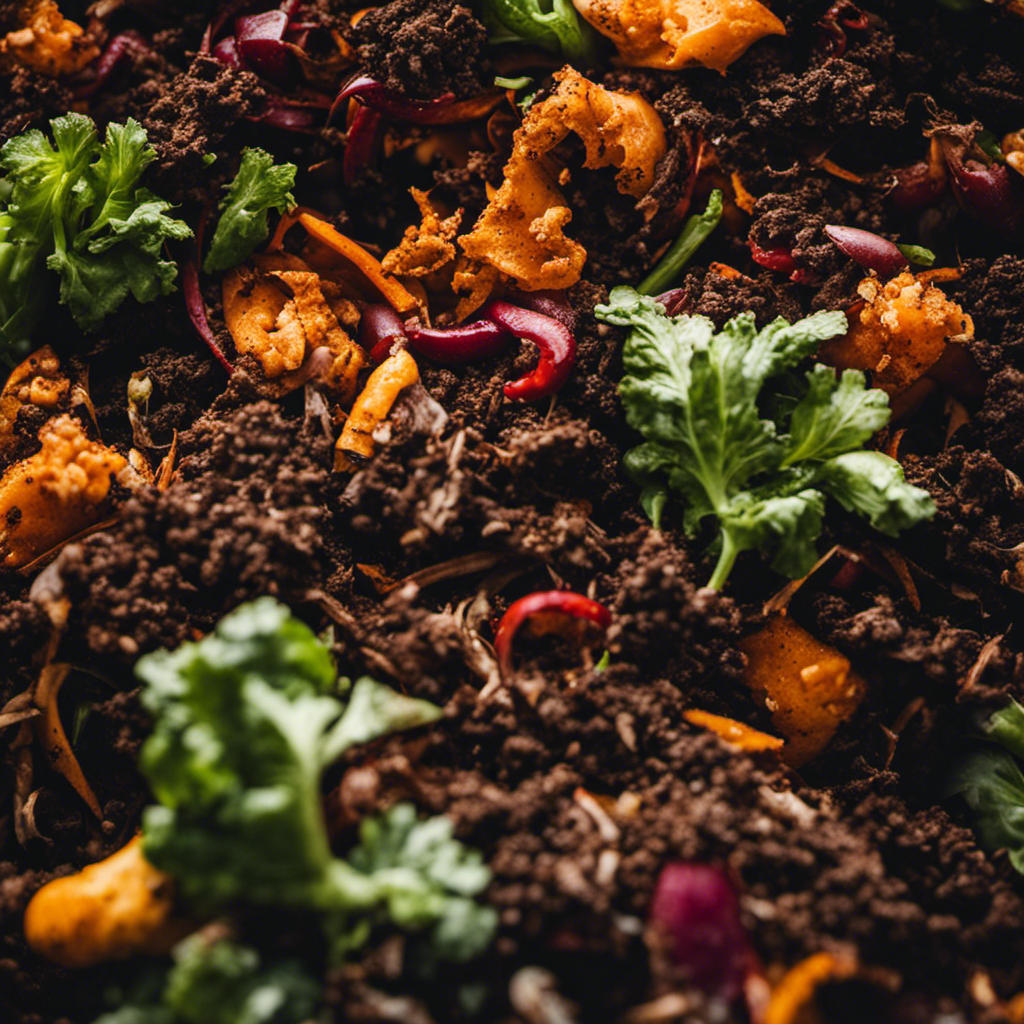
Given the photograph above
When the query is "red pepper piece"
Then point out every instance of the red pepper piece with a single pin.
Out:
(120, 47)
(563, 602)
(774, 259)
(451, 346)
(379, 328)
(197, 313)
(871, 251)
(555, 341)
(361, 143)
(379, 97)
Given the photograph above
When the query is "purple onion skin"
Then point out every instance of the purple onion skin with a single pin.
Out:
(226, 51)
(988, 193)
(361, 143)
(697, 910)
(261, 47)
(917, 187)
(871, 251)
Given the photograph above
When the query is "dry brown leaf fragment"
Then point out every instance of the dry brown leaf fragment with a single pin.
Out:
(427, 247)
(899, 333)
(808, 686)
(55, 493)
(674, 34)
(49, 43)
(521, 232)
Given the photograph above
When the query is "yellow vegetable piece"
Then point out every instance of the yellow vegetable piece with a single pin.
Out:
(36, 381)
(792, 1001)
(521, 232)
(111, 910)
(674, 34)
(899, 333)
(743, 736)
(808, 686)
(427, 247)
(49, 43)
(55, 493)
(355, 445)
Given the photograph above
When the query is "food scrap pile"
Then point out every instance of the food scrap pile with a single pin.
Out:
(511, 512)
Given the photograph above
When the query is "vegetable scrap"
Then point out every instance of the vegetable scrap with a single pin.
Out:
(48, 42)
(739, 735)
(809, 687)
(693, 394)
(674, 34)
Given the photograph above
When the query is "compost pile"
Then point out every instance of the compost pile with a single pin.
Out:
(520, 510)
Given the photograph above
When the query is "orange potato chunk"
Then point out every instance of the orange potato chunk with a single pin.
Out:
(521, 233)
(739, 735)
(808, 686)
(674, 34)
(49, 43)
(55, 493)
(900, 332)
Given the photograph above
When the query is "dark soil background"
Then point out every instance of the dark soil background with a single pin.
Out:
(860, 850)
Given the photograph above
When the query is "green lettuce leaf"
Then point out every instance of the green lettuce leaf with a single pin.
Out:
(74, 207)
(246, 721)
(698, 396)
(260, 186)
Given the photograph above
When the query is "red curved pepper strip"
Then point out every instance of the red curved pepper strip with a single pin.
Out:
(563, 602)
(454, 345)
(445, 109)
(361, 143)
(194, 304)
(379, 328)
(555, 341)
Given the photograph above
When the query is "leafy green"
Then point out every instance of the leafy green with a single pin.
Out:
(75, 207)
(551, 24)
(991, 782)
(917, 254)
(259, 186)
(694, 396)
(246, 720)
(691, 238)
(221, 982)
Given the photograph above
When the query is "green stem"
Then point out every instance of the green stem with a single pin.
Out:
(726, 560)
(690, 239)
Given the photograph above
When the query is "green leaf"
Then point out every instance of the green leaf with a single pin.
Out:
(75, 208)
(873, 485)
(917, 254)
(698, 398)
(245, 721)
(992, 784)
(260, 186)
(695, 232)
(551, 24)
(1006, 727)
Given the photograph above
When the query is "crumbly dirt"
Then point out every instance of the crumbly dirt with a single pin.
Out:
(410, 562)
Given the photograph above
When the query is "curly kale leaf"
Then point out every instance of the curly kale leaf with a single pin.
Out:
(246, 721)
(260, 186)
(74, 206)
(697, 397)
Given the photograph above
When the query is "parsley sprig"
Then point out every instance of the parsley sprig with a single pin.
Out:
(701, 401)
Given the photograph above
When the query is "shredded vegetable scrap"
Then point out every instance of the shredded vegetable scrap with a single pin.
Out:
(739, 735)
(521, 232)
(674, 34)
(426, 248)
(355, 444)
(808, 686)
(900, 333)
(49, 43)
(55, 493)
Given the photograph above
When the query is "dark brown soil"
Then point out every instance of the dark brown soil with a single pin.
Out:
(861, 851)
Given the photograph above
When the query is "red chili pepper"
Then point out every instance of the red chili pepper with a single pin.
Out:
(774, 259)
(555, 341)
(194, 304)
(120, 47)
(361, 143)
(379, 97)
(562, 602)
(379, 328)
(451, 346)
